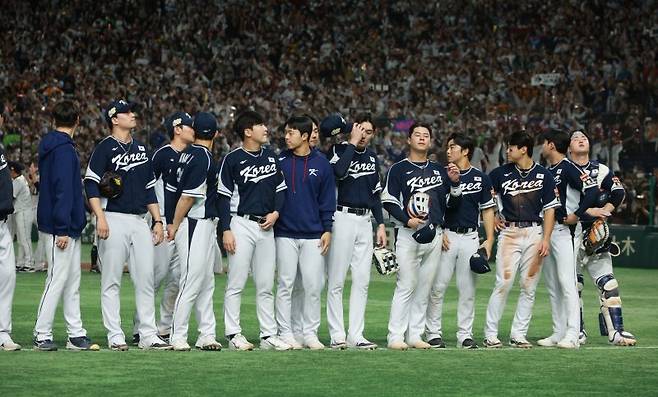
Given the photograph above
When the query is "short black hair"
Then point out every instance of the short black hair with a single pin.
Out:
(247, 120)
(313, 118)
(364, 117)
(521, 139)
(65, 114)
(303, 124)
(420, 124)
(464, 141)
(560, 139)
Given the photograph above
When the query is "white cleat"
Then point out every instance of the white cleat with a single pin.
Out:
(208, 343)
(568, 344)
(492, 342)
(420, 344)
(274, 343)
(239, 342)
(181, 346)
(623, 338)
(551, 341)
(313, 343)
(582, 338)
(398, 346)
(292, 342)
(363, 345)
(10, 346)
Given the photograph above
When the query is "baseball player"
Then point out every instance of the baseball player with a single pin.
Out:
(166, 262)
(576, 194)
(460, 242)
(525, 195)
(599, 265)
(193, 228)
(252, 193)
(21, 219)
(356, 169)
(418, 245)
(303, 230)
(7, 259)
(61, 217)
(123, 232)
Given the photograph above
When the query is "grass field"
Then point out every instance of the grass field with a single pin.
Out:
(595, 369)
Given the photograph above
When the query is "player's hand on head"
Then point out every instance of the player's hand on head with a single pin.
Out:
(414, 223)
(102, 229)
(381, 235)
(325, 240)
(453, 172)
(229, 241)
(445, 244)
(158, 233)
(269, 220)
(62, 242)
(357, 133)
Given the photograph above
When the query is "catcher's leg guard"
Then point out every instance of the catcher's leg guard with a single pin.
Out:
(611, 321)
(581, 285)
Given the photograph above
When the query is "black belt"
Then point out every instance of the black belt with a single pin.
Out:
(255, 218)
(357, 211)
(522, 224)
(462, 230)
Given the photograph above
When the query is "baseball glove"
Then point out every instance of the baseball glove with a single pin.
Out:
(385, 261)
(596, 236)
(419, 205)
(111, 185)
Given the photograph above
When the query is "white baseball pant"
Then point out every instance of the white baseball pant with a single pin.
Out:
(351, 248)
(297, 309)
(256, 250)
(130, 241)
(22, 227)
(62, 282)
(560, 278)
(518, 250)
(455, 260)
(7, 280)
(299, 256)
(194, 241)
(418, 264)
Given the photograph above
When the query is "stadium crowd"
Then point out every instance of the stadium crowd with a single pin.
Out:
(485, 67)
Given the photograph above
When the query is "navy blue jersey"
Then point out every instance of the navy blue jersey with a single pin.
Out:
(405, 178)
(476, 196)
(606, 182)
(198, 179)
(6, 188)
(251, 181)
(165, 165)
(522, 196)
(357, 177)
(131, 161)
(576, 190)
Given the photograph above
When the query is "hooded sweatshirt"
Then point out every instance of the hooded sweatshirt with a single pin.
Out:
(61, 210)
(310, 197)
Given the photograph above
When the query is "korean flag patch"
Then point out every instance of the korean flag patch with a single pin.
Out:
(477, 179)
(437, 172)
(141, 148)
(270, 159)
(540, 176)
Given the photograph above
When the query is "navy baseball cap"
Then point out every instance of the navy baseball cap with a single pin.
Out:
(118, 106)
(176, 119)
(15, 166)
(205, 125)
(479, 262)
(334, 124)
(425, 235)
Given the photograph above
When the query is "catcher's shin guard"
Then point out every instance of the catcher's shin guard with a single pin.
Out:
(611, 322)
(581, 286)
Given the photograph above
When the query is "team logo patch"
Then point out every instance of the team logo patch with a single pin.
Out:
(270, 159)
(559, 171)
(540, 176)
(313, 171)
(358, 169)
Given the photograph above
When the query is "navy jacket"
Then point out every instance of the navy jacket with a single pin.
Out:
(6, 188)
(61, 209)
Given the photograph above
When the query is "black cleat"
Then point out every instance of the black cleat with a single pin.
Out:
(437, 343)
(469, 343)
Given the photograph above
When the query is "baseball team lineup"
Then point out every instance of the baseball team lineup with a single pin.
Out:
(301, 220)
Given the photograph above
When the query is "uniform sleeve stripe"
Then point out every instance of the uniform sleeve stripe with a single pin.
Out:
(192, 194)
(3, 166)
(225, 194)
(552, 204)
(92, 175)
(488, 204)
(150, 184)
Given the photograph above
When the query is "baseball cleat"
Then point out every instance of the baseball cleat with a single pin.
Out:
(398, 346)
(292, 342)
(550, 341)
(135, 339)
(81, 343)
(156, 344)
(208, 343)
(181, 346)
(274, 343)
(420, 344)
(239, 342)
(10, 346)
(313, 343)
(165, 337)
(45, 345)
(492, 343)
(364, 345)
(623, 338)
(520, 343)
(436, 343)
(568, 344)
(469, 343)
(338, 345)
(119, 347)
(582, 337)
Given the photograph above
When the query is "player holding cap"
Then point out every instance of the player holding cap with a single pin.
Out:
(61, 216)
(252, 192)
(7, 259)
(193, 228)
(165, 162)
(356, 169)
(577, 194)
(123, 232)
(460, 242)
(303, 231)
(599, 264)
(414, 183)
(523, 190)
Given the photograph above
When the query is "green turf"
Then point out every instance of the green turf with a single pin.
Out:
(596, 369)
